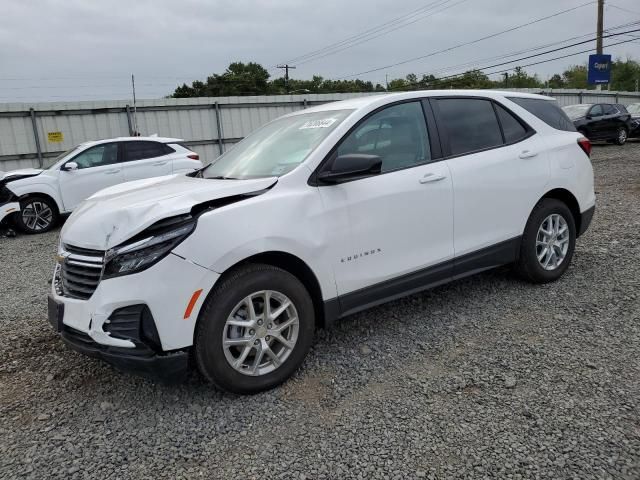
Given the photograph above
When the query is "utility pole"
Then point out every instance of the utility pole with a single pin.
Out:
(600, 27)
(286, 69)
(135, 118)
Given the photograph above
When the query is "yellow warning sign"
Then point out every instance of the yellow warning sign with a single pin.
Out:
(55, 137)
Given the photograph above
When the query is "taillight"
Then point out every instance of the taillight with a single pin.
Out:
(193, 156)
(585, 145)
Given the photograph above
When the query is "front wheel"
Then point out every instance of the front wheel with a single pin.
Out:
(37, 215)
(254, 330)
(621, 136)
(548, 242)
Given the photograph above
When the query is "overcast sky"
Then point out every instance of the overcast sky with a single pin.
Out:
(54, 50)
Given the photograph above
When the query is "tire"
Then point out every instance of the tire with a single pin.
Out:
(529, 267)
(621, 136)
(37, 214)
(231, 296)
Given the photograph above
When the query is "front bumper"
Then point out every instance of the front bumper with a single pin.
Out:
(164, 291)
(8, 209)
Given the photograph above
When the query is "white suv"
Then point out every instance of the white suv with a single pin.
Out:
(36, 198)
(315, 216)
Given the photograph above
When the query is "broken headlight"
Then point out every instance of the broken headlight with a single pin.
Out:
(148, 247)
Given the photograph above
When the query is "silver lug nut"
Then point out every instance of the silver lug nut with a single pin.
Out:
(270, 326)
(257, 342)
(259, 322)
(267, 338)
(252, 331)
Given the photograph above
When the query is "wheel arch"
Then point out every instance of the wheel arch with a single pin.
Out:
(299, 269)
(569, 199)
(43, 195)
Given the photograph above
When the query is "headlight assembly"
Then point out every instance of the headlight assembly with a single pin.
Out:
(148, 247)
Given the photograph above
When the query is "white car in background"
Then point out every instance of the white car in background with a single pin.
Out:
(36, 198)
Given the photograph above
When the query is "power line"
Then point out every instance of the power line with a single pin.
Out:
(560, 48)
(381, 34)
(526, 65)
(371, 31)
(413, 59)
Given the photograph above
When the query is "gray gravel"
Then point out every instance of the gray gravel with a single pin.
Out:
(486, 377)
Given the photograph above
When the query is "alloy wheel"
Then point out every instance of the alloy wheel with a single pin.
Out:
(37, 215)
(260, 333)
(622, 136)
(552, 241)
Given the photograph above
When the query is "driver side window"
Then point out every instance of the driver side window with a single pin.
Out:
(596, 111)
(97, 156)
(397, 134)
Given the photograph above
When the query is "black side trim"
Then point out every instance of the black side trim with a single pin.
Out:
(490, 257)
(585, 221)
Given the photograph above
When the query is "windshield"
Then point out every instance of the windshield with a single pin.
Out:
(634, 108)
(277, 148)
(62, 155)
(576, 111)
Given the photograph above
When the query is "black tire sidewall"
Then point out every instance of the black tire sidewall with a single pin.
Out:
(529, 264)
(209, 352)
(26, 201)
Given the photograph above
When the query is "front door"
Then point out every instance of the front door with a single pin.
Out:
(394, 224)
(98, 168)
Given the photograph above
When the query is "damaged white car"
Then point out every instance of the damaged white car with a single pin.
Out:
(35, 199)
(315, 216)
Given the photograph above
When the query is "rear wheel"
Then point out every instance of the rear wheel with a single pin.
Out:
(255, 329)
(548, 242)
(37, 214)
(621, 136)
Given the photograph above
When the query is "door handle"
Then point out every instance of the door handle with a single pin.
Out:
(111, 172)
(527, 154)
(431, 177)
(157, 164)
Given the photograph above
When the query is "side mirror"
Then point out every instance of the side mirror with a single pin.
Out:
(69, 166)
(351, 167)
(589, 117)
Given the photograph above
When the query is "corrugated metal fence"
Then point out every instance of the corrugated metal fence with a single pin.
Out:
(33, 135)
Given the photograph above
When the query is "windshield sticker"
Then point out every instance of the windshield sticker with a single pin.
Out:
(325, 123)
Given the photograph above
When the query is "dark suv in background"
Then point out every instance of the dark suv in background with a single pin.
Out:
(601, 121)
(634, 111)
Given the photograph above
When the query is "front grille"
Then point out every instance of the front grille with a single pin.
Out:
(80, 271)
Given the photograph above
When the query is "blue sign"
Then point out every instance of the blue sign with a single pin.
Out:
(599, 69)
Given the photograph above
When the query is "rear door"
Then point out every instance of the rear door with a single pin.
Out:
(98, 168)
(146, 159)
(499, 169)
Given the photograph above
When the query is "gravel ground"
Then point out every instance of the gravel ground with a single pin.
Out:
(486, 377)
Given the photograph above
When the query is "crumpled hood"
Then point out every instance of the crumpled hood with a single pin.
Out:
(117, 213)
(17, 174)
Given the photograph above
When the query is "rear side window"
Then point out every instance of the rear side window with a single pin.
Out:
(546, 110)
(610, 110)
(139, 150)
(513, 130)
(471, 124)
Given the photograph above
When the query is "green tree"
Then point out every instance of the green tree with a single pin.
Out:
(575, 77)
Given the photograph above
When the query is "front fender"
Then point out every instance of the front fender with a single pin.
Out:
(35, 188)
